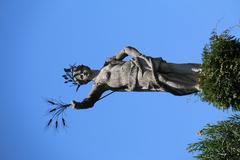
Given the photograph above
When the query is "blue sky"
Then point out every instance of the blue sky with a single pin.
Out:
(40, 38)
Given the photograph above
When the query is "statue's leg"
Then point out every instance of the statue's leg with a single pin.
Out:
(180, 77)
(185, 68)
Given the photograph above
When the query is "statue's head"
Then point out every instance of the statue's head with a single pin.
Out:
(78, 75)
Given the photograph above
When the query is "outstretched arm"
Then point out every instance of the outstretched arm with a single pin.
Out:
(93, 97)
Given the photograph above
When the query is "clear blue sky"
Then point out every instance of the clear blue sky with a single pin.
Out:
(40, 38)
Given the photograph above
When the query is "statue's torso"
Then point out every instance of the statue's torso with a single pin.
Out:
(125, 76)
(114, 76)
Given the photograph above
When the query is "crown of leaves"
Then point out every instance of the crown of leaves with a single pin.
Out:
(69, 75)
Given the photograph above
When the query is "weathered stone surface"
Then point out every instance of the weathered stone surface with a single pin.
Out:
(141, 73)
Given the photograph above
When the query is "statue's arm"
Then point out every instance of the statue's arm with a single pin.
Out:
(93, 97)
(128, 51)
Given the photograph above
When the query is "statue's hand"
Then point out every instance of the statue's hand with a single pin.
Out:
(110, 60)
(86, 103)
(74, 104)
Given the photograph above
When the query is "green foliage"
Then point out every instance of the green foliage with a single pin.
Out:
(220, 76)
(219, 142)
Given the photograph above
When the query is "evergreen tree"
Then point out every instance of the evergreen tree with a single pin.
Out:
(220, 141)
(220, 76)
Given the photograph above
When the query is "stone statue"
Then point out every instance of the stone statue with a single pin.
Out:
(140, 74)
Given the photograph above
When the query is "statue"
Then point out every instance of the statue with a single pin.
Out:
(140, 74)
